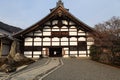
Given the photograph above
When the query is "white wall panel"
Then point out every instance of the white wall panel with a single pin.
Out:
(34, 56)
(82, 39)
(46, 30)
(64, 39)
(55, 30)
(55, 39)
(37, 43)
(73, 39)
(82, 56)
(73, 30)
(81, 31)
(73, 43)
(46, 33)
(28, 54)
(66, 52)
(37, 39)
(81, 34)
(46, 43)
(65, 22)
(82, 52)
(65, 56)
(46, 39)
(73, 33)
(55, 43)
(64, 43)
(37, 52)
(37, 34)
(73, 52)
(64, 29)
(66, 48)
(90, 39)
(28, 43)
(88, 47)
(88, 51)
(28, 39)
(90, 43)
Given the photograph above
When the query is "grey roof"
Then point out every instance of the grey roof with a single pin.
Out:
(8, 28)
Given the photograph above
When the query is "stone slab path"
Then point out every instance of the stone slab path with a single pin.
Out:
(33, 71)
(40, 70)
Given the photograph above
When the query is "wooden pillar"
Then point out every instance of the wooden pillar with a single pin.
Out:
(32, 44)
(42, 42)
(77, 44)
(69, 41)
(86, 44)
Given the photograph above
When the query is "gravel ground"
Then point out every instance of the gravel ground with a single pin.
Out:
(84, 69)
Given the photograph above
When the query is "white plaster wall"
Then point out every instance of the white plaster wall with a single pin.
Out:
(28, 43)
(82, 56)
(82, 52)
(64, 39)
(81, 34)
(55, 39)
(37, 34)
(55, 43)
(64, 43)
(28, 54)
(82, 39)
(73, 33)
(36, 54)
(90, 39)
(73, 52)
(90, 43)
(65, 22)
(37, 39)
(73, 43)
(37, 43)
(28, 39)
(46, 33)
(46, 43)
(73, 39)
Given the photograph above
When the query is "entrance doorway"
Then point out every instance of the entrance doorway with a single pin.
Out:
(55, 52)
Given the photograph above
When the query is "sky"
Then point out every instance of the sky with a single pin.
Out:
(24, 13)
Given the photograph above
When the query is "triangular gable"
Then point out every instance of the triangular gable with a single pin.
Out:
(57, 11)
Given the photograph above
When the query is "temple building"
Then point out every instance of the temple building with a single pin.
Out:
(59, 34)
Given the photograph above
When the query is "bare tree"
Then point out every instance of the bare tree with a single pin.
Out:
(109, 38)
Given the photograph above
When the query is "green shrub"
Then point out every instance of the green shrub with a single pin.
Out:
(95, 52)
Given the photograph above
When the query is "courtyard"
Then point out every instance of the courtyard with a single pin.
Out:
(65, 69)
